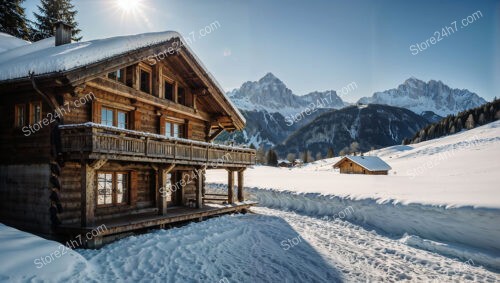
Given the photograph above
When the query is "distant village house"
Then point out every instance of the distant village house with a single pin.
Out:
(368, 165)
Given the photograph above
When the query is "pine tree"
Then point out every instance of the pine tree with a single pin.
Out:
(52, 11)
(13, 19)
(272, 158)
(330, 153)
(319, 156)
(470, 123)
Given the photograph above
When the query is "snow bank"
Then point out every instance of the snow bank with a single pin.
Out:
(28, 258)
(476, 228)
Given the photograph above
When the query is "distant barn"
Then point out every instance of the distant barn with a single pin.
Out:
(369, 165)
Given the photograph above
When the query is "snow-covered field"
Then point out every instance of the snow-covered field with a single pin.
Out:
(270, 246)
(443, 190)
(458, 170)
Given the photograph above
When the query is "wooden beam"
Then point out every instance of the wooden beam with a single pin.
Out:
(230, 186)
(240, 186)
(215, 134)
(125, 91)
(199, 187)
(97, 164)
(88, 200)
(164, 193)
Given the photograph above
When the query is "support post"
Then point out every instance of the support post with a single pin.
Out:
(164, 188)
(88, 200)
(199, 187)
(230, 186)
(240, 186)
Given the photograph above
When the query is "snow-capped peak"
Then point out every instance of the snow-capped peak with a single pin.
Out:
(419, 96)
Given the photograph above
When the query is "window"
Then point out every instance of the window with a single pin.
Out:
(181, 96)
(107, 117)
(121, 188)
(104, 188)
(122, 122)
(174, 130)
(20, 115)
(118, 75)
(114, 118)
(112, 188)
(35, 112)
(145, 81)
(169, 91)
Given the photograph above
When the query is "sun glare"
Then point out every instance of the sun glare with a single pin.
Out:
(128, 6)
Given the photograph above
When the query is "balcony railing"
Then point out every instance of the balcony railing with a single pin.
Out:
(93, 138)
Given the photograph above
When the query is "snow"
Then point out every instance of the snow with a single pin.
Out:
(372, 163)
(70, 56)
(433, 192)
(27, 49)
(8, 42)
(24, 255)
(270, 246)
(453, 171)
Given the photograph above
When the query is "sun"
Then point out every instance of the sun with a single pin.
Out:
(128, 6)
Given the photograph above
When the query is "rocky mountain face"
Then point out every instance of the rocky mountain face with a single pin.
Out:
(272, 95)
(369, 125)
(266, 129)
(419, 96)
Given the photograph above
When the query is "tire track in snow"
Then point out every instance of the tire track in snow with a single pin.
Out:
(365, 256)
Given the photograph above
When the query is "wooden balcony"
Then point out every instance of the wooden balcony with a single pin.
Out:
(94, 141)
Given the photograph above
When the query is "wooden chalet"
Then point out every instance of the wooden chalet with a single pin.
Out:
(369, 165)
(116, 131)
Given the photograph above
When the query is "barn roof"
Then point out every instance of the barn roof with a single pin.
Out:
(371, 163)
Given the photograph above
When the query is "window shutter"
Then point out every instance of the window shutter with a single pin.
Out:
(96, 112)
(162, 125)
(133, 188)
(136, 120)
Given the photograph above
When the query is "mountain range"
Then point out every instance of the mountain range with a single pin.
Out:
(276, 117)
(419, 96)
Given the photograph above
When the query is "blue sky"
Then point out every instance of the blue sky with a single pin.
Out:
(319, 45)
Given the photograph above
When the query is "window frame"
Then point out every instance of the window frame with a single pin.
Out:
(114, 189)
(32, 119)
(142, 68)
(173, 123)
(123, 79)
(183, 95)
(167, 80)
(17, 123)
(115, 112)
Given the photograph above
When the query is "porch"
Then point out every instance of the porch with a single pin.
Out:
(92, 235)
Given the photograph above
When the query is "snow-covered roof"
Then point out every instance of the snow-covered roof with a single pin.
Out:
(41, 58)
(8, 42)
(70, 56)
(371, 163)
(284, 161)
